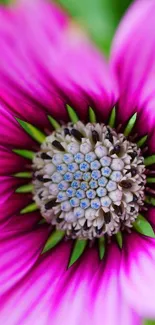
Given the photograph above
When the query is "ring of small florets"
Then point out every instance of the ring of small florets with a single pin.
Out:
(89, 180)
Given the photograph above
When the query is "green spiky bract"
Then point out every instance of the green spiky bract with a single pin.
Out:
(42, 221)
(150, 200)
(34, 132)
(78, 249)
(101, 247)
(130, 125)
(23, 175)
(112, 118)
(150, 180)
(72, 114)
(119, 239)
(142, 141)
(54, 123)
(53, 240)
(28, 154)
(148, 161)
(143, 226)
(92, 115)
(27, 188)
(29, 208)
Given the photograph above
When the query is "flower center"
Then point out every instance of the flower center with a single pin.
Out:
(89, 180)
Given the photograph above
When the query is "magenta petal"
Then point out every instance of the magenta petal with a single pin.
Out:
(18, 256)
(69, 69)
(10, 163)
(88, 293)
(10, 202)
(75, 291)
(11, 134)
(107, 297)
(33, 297)
(24, 88)
(137, 274)
(151, 216)
(133, 62)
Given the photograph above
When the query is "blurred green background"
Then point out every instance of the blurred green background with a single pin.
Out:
(98, 17)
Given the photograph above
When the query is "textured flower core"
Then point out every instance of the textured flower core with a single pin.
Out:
(89, 180)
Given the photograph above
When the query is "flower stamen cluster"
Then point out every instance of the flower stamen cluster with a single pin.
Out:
(89, 180)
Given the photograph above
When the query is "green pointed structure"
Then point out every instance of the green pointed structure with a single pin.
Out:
(150, 180)
(72, 114)
(23, 175)
(42, 221)
(34, 132)
(53, 240)
(54, 123)
(26, 188)
(29, 208)
(28, 154)
(150, 200)
(142, 226)
(92, 115)
(130, 125)
(112, 118)
(142, 141)
(101, 247)
(148, 161)
(119, 239)
(78, 249)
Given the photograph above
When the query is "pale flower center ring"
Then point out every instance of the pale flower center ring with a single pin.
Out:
(89, 180)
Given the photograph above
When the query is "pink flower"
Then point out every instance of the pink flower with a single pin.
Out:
(46, 63)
